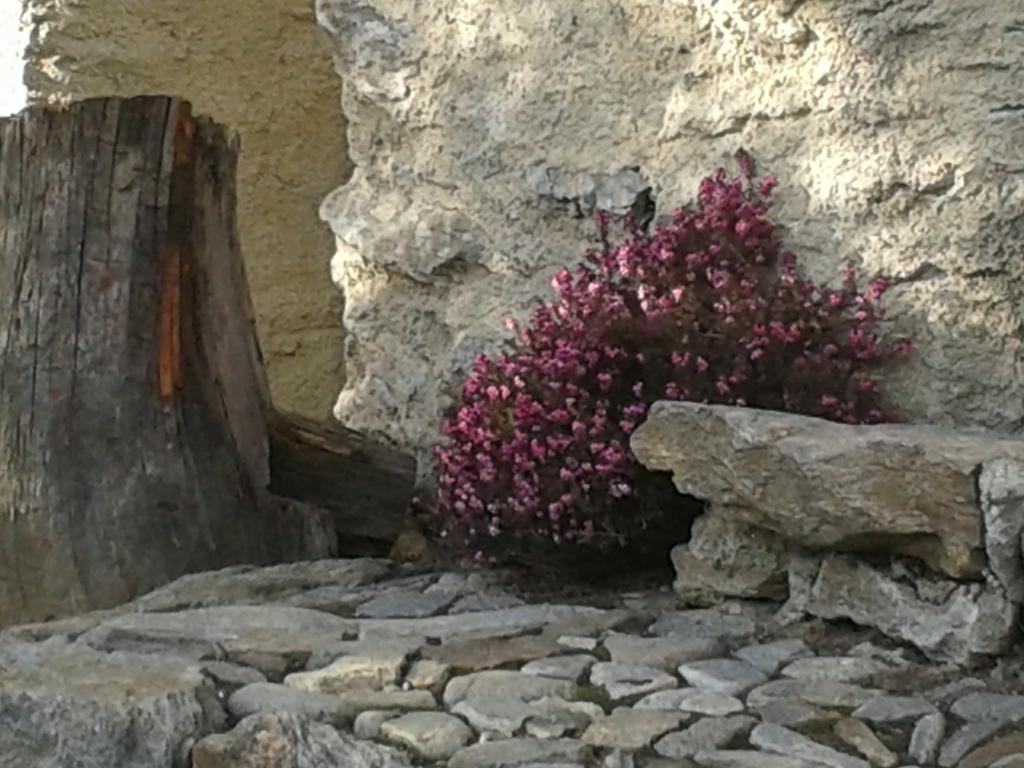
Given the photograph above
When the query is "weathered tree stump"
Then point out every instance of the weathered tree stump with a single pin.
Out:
(133, 401)
(364, 485)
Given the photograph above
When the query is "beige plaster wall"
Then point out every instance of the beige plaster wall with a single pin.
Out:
(262, 68)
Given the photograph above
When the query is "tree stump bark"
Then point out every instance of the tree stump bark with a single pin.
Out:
(133, 401)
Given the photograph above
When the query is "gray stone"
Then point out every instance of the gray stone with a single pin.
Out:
(487, 601)
(794, 714)
(403, 604)
(692, 700)
(888, 709)
(275, 630)
(663, 652)
(505, 684)
(343, 599)
(428, 735)
(965, 739)
(768, 657)
(476, 654)
(945, 619)
(578, 643)
(926, 738)
(823, 693)
(1008, 745)
(1001, 489)
(627, 728)
(260, 698)
(282, 740)
(572, 667)
(856, 733)
(500, 716)
(843, 669)
(709, 734)
(750, 758)
(1010, 761)
(704, 623)
(429, 674)
(552, 727)
(554, 718)
(618, 759)
(507, 622)
(906, 489)
(943, 694)
(324, 655)
(724, 558)
(783, 741)
(248, 585)
(553, 705)
(895, 657)
(375, 670)
(65, 704)
(520, 752)
(367, 724)
(624, 680)
(989, 706)
(231, 675)
(728, 676)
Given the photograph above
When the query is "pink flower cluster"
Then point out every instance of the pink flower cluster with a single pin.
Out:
(706, 308)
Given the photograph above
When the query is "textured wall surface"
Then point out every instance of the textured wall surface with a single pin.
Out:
(263, 68)
(482, 131)
(13, 41)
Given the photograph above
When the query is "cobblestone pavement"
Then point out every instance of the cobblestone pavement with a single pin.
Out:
(361, 662)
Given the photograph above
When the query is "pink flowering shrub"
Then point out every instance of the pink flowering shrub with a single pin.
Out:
(706, 308)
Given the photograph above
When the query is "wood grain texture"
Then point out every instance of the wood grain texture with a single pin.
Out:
(366, 486)
(133, 400)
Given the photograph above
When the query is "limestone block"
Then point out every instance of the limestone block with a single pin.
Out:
(895, 488)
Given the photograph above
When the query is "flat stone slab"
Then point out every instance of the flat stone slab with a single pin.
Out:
(402, 604)
(509, 753)
(428, 735)
(842, 669)
(505, 684)
(67, 704)
(709, 734)
(340, 709)
(622, 681)
(823, 693)
(666, 653)
(783, 741)
(926, 738)
(373, 669)
(728, 676)
(769, 657)
(569, 667)
(252, 585)
(282, 739)
(889, 709)
(692, 700)
(826, 486)
(858, 735)
(627, 728)
(704, 623)
(989, 706)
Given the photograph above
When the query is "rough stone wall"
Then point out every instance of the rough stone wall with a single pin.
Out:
(262, 68)
(484, 133)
